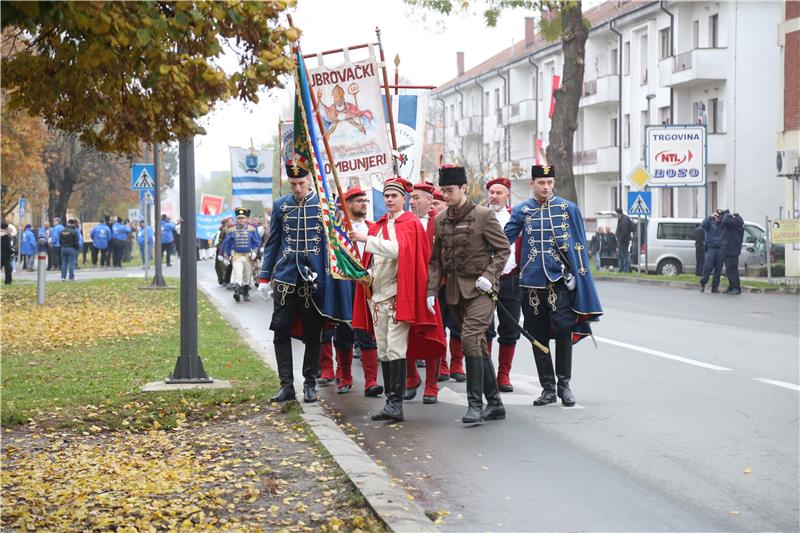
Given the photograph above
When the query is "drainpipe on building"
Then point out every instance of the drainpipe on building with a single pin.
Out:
(444, 127)
(506, 96)
(619, 112)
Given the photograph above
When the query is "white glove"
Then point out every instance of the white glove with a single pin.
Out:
(220, 259)
(430, 302)
(253, 256)
(265, 290)
(226, 261)
(483, 284)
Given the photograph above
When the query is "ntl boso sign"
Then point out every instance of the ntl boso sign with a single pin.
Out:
(676, 155)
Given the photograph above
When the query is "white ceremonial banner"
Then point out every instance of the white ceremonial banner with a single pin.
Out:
(251, 175)
(351, 104)
(408, 112)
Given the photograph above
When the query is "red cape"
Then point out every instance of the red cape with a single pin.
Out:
(426, 335)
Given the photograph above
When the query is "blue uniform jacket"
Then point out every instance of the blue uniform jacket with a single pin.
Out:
(140, 236)
(732, 234)
(241, 240)
(714, 232)
(297, 248)
(120, 231)
(28, 244)
(166, 232)
(557, 222)
(55, 235)
(101, 235)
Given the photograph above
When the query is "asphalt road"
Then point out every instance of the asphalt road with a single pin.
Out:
(687, 420)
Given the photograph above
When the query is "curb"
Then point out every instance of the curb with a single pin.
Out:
(389, 501)
(688, 285)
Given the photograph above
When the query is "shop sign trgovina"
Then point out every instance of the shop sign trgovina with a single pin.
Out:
(676, 155)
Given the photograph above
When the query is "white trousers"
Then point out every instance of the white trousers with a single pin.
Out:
(390, 336)
(242, 272)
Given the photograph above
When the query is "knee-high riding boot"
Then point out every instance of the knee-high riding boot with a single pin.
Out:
(495, 410)
(547, 378)
(564, 369)
(310, 372)
(474, 390)
(283, 356)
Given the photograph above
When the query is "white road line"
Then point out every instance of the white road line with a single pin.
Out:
(661, 354)
(785, 385)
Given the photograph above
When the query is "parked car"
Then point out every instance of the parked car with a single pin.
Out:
(670, 248)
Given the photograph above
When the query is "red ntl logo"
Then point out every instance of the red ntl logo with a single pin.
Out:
(671, 157)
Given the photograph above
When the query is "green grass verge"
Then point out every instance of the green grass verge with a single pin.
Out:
(682, 277)
(98, 385)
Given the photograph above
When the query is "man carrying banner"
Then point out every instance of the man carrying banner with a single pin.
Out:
(499, 190)
(344, 336)
(240, 247)
(559, 299)
(397, 252)
(422, 205)
(295, 262)
(470, 251)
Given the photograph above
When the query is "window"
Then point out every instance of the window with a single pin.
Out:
(677, 231)
(696, 34)
(699, 113)
(716, 119)
(613, 132)
(666, 204)
(626, 133)
(664, 115)
(486, 102)
(713, 193)
(643, 60)
(713, 31)
(613, 61)
(665, 49)
(626, 58)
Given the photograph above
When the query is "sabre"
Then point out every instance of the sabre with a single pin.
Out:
(493, 295)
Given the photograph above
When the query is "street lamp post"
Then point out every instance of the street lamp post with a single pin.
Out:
(649, 97)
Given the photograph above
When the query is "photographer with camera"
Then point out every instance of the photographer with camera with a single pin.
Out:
(714, 253)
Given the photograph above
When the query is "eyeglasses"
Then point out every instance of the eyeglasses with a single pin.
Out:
(360, 201)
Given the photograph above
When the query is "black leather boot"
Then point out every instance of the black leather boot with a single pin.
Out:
(394, 395)
(474, 390)
(547, 378)
(283, 356)
(246, 292)
(236, 290)
(398, 384)
(495, 410)
(310, 372)
(564, 369)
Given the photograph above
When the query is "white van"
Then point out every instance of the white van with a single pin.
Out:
(670, 247)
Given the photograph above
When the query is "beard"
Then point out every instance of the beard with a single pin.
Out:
(496, 207)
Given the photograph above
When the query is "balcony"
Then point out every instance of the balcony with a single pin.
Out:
(717, 149)
(693, 67)
(468, 126)
(596, 161)
(602, 91)
(521, 112)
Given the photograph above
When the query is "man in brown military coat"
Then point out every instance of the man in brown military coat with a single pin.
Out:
(469, 251)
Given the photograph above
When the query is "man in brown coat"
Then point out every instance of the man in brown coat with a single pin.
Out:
(469, 251)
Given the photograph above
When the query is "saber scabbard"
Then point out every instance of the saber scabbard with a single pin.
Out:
(515, 322)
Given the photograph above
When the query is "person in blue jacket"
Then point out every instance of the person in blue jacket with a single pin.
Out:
(140, 240)
(167, 237)
(559, 299)
(27, 248)
(101, 239)
(55, 244)
(714, 254)
(732, 237)
(119, 241)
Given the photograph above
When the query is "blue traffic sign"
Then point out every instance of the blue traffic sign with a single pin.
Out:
(146, 197)
(640, 203)
(22, 205)
(142, 177)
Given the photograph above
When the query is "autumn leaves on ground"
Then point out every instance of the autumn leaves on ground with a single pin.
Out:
(83, 449)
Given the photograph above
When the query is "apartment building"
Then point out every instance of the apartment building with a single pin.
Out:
(714, 63)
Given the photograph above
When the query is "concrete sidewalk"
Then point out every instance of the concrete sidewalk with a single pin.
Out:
(690, 285)
(386, 497)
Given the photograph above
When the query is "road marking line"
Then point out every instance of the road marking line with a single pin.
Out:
(661, 354)
(785, 385)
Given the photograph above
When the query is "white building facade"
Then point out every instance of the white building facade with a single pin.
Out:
(714, 63)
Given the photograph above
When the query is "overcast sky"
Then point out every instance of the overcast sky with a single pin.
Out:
(427, 45)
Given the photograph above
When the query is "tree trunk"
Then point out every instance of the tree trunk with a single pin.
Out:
(568, 96)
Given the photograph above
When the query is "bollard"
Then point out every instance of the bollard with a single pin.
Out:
(40, 277)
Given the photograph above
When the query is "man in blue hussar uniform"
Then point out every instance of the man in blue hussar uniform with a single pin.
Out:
(240, 247)
(559, 299)
(295, 264)
(101, 239)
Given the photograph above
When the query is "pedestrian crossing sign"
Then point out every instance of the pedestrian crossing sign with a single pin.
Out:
(640, 203)
(142, 177)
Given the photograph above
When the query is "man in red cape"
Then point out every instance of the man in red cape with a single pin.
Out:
(397, 254)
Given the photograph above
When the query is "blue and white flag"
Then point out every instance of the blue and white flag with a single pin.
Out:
(251, 175)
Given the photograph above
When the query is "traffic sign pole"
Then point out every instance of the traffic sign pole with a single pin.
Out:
(158, 277)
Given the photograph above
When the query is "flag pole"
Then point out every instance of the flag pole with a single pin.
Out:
(388, 98)
(345, 215)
